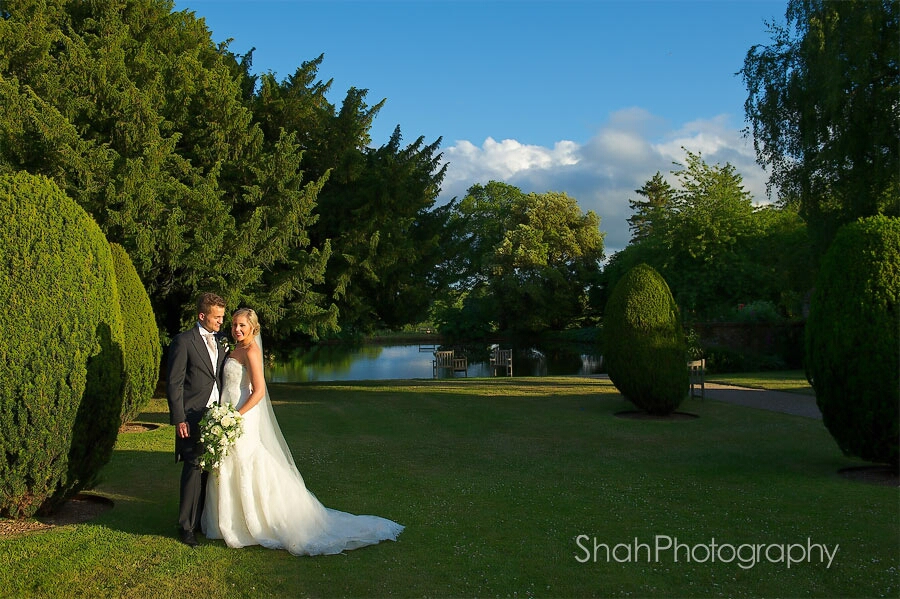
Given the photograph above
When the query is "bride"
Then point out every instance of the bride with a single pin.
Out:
(257, 496)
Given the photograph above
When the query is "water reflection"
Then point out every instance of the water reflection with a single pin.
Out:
(382, 362)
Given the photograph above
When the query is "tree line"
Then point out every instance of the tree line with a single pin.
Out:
(215, 178)
(212, 177)
(715, 249)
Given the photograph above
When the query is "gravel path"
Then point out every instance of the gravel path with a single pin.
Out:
(796, 404)
(776, 401)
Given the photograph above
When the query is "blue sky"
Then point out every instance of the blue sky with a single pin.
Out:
(589, 97)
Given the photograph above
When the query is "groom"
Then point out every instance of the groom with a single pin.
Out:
(195, 363)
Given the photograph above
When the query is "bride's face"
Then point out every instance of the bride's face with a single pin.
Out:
(241, 330)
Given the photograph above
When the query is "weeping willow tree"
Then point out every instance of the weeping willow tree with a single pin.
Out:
(823, 112)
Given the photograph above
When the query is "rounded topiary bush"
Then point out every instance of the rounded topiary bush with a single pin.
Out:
(61, 356)
(853, 339)
(142, 350)
(644, 344)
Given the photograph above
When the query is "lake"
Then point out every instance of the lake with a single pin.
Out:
(414, 361)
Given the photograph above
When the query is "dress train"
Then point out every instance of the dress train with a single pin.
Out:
(258, 497)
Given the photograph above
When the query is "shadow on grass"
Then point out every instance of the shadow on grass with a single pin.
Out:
(152, 417)
(143, 486)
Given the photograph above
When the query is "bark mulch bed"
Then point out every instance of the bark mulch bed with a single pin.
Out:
(81, 508)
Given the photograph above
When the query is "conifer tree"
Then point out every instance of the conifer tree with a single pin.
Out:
(145, 122)
(650, 214)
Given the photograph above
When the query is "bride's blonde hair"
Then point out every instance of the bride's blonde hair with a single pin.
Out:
(251, 317)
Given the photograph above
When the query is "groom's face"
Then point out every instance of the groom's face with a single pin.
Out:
(212, 320)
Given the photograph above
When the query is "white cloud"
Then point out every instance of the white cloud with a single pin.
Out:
(603, 173)
(500, 161)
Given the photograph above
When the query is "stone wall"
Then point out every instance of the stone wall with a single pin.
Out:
(784, 340)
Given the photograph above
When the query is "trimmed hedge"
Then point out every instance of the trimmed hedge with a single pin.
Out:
(853, 339)
(142, 349)
(644, 345)
(61, 356)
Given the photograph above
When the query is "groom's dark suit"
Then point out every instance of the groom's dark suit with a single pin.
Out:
(191, 378)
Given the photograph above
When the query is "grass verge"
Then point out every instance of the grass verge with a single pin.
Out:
(792, 381)
(495, 481)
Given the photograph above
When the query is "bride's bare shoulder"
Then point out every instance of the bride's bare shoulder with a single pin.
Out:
(251, 355)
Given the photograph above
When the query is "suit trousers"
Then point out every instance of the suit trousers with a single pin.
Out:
(193, 482)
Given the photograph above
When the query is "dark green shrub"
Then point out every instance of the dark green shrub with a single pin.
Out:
(644, 345)
(853, 339)
(142, 350)
(61, 356)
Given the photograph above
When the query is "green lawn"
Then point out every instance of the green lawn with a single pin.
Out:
(793, 381)
(495, 481)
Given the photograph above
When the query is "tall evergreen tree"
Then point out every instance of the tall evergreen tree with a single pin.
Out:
(652, 211)
(385, 235)
(376, 210)
(139, 117)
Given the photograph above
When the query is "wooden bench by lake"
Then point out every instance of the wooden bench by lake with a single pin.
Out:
(502, 361)
(447, 360)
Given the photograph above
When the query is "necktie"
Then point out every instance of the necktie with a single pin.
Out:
(211, 342)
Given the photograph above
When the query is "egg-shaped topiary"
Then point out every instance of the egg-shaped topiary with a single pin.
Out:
(853, 339)
(142, 350)
(644, 344)
(61, 366)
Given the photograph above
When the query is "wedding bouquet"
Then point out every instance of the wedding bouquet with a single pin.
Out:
(219, 430)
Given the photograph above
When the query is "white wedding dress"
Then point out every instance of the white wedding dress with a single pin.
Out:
(258, 497)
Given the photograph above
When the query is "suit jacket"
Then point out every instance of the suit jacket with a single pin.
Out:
(190, 382)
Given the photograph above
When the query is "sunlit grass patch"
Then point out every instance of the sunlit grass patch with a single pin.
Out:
(793, 381)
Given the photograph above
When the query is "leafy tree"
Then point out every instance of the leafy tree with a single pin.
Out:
(822, 108)
(466, 315)
(479, 223)
(712, 213)
(714, 248)
(534, 255)
(543, 267)
(694, 234)
(778, 259)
